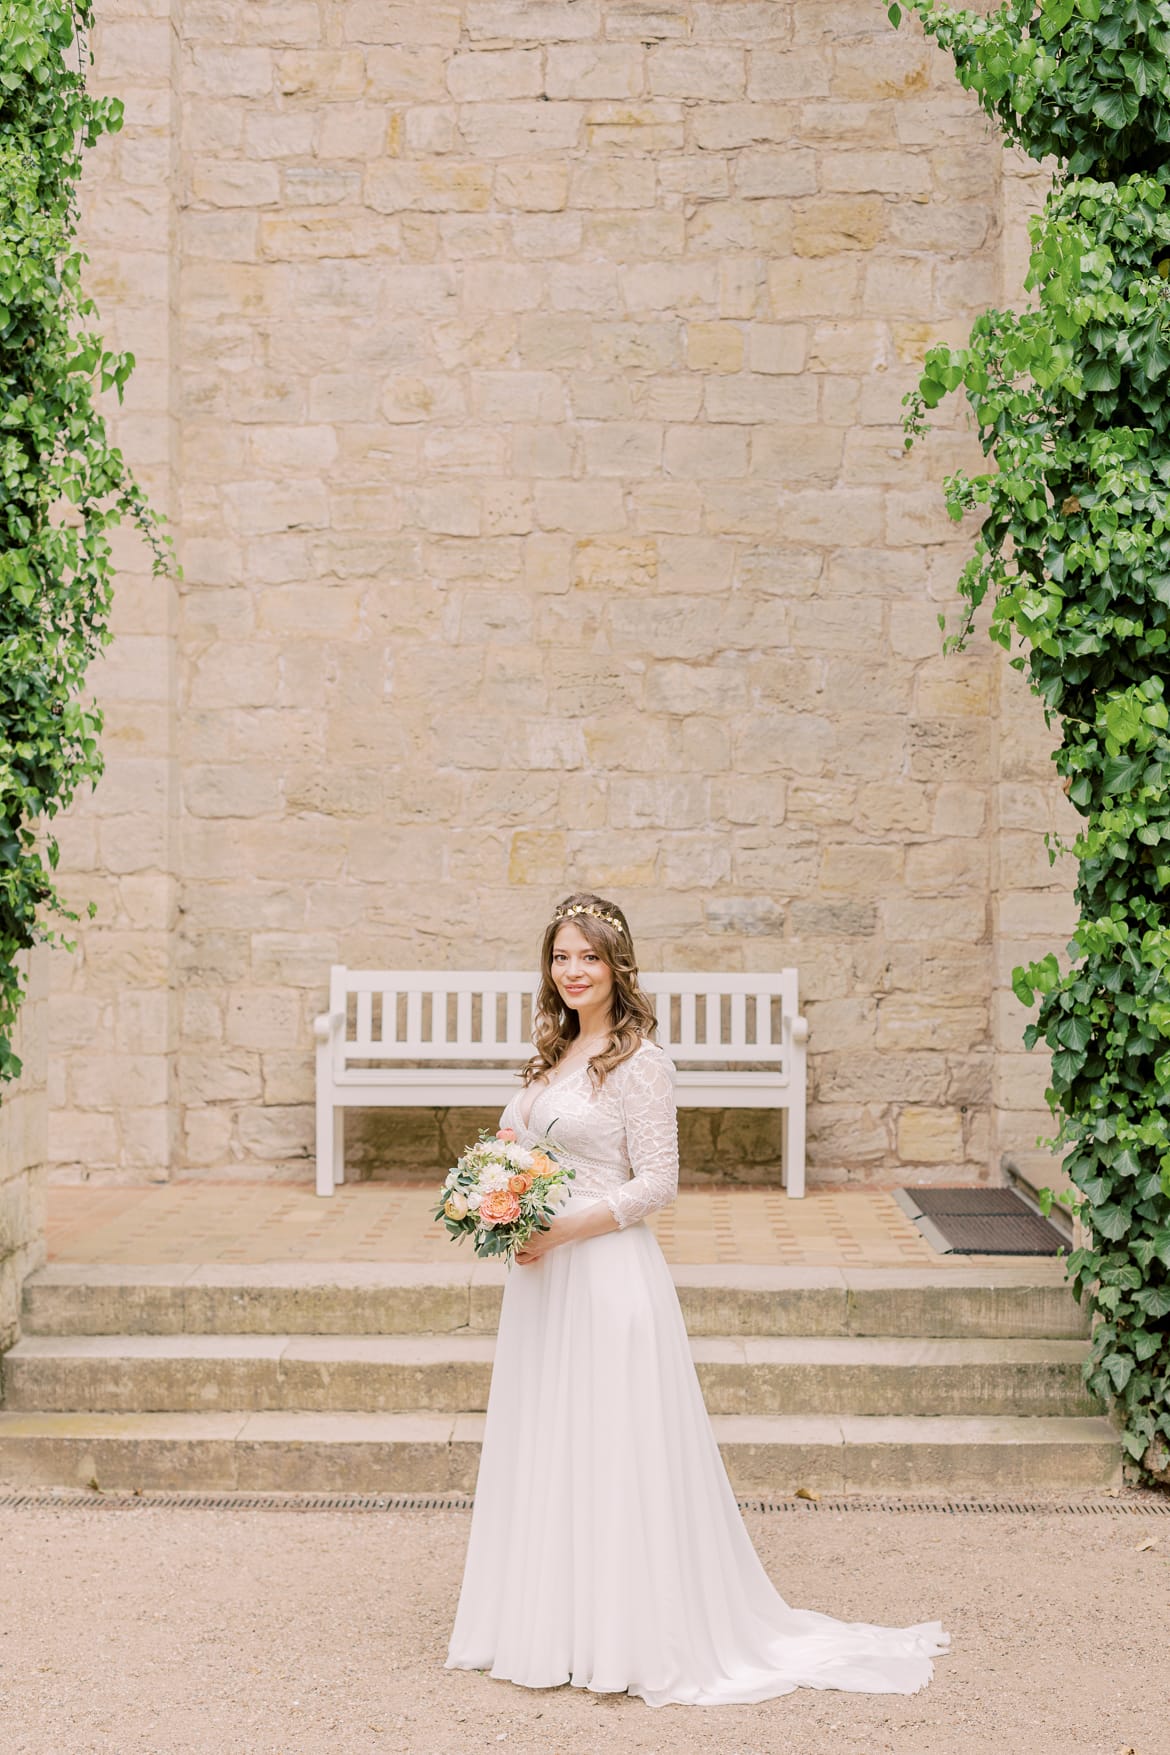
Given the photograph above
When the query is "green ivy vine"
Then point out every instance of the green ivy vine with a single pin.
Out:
(1071, 398)
(62, 484)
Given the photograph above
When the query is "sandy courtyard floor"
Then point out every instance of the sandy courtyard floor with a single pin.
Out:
(203, 1221)
(183, 1632)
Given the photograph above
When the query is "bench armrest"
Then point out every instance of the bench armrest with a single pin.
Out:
(326, 1024)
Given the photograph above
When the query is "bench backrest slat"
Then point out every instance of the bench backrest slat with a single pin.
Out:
(463, 1020)
(738, 1035)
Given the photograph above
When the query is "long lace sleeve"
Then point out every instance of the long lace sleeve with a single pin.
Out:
(651, 1123)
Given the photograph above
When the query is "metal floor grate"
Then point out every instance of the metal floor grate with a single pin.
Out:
(979, 1221)
(1144, 1504)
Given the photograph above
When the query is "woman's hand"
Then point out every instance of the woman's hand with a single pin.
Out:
(575, 1227)
(559, 1231)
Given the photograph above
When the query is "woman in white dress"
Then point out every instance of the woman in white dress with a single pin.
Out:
(606, 1546)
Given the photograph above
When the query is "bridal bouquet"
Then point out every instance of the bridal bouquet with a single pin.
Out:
(500, 1192)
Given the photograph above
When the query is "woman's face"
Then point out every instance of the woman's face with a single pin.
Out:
(580, 974)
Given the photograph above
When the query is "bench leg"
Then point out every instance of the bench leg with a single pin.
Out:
(339, 1144)
(792, 1148)
(328, 1137)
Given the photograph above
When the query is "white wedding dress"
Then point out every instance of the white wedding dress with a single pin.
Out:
(606, 1546)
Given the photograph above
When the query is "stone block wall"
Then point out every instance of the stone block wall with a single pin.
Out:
(525, 383)
(113, 1015)
(23, 1146)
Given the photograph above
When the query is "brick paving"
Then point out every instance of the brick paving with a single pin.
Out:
(206, 1221)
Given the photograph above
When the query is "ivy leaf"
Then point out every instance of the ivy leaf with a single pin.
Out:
(1110, 1221)
(1022, 989)
(1066, 1064)
(1120, 1368)
(1101, 375)
(1075, 1032)
(1123, 773)
(1116, 109)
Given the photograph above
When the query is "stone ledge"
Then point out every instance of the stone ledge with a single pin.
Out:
(364, 1453)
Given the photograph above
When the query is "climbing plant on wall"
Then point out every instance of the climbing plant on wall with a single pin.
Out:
(1071, 398)
(62, 484)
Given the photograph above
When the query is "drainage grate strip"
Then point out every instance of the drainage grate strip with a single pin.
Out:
(1130, 1504)
(979, 1221)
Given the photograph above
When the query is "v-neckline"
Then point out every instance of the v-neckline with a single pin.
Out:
(547, 1085)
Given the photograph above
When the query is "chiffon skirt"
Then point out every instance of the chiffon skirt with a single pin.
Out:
(606, 1546)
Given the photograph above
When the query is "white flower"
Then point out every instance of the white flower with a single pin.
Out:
(452, 1178)
(558, 1194)
(495, 1149)
(473, 1199)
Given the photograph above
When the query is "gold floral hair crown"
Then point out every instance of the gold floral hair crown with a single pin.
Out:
(588, 908)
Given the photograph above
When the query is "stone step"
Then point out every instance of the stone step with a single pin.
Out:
(383, 1453)
(451, 1373)
(1029, 1301)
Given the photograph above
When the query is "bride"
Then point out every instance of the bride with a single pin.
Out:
(606, 1545)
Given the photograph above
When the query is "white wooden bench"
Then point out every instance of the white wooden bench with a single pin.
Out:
(415, 1038)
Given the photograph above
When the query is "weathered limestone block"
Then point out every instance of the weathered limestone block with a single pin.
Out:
(541, 20)
(715, 347)
(825, 224)
(753, 398)
(276, 1131)
(82, 1142)
(391, 21)
(930, 1136)
(594, 70)
(320, 75)
(445, 186)
(608, 183)
(856, 347)
(677, 71)
(520, 127)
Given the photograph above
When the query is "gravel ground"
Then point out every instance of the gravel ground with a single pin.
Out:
(181, 1632)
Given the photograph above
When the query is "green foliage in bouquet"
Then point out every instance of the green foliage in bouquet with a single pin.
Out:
(1072, 402)
(61, 483)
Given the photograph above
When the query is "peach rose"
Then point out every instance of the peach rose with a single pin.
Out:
(519, 1184)
(500, 1207)
(507, 1134)
(541, 1165)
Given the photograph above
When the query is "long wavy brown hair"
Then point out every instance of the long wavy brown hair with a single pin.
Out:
(555, 1026)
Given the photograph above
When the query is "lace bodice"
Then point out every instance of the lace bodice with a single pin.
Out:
(621, 1141)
